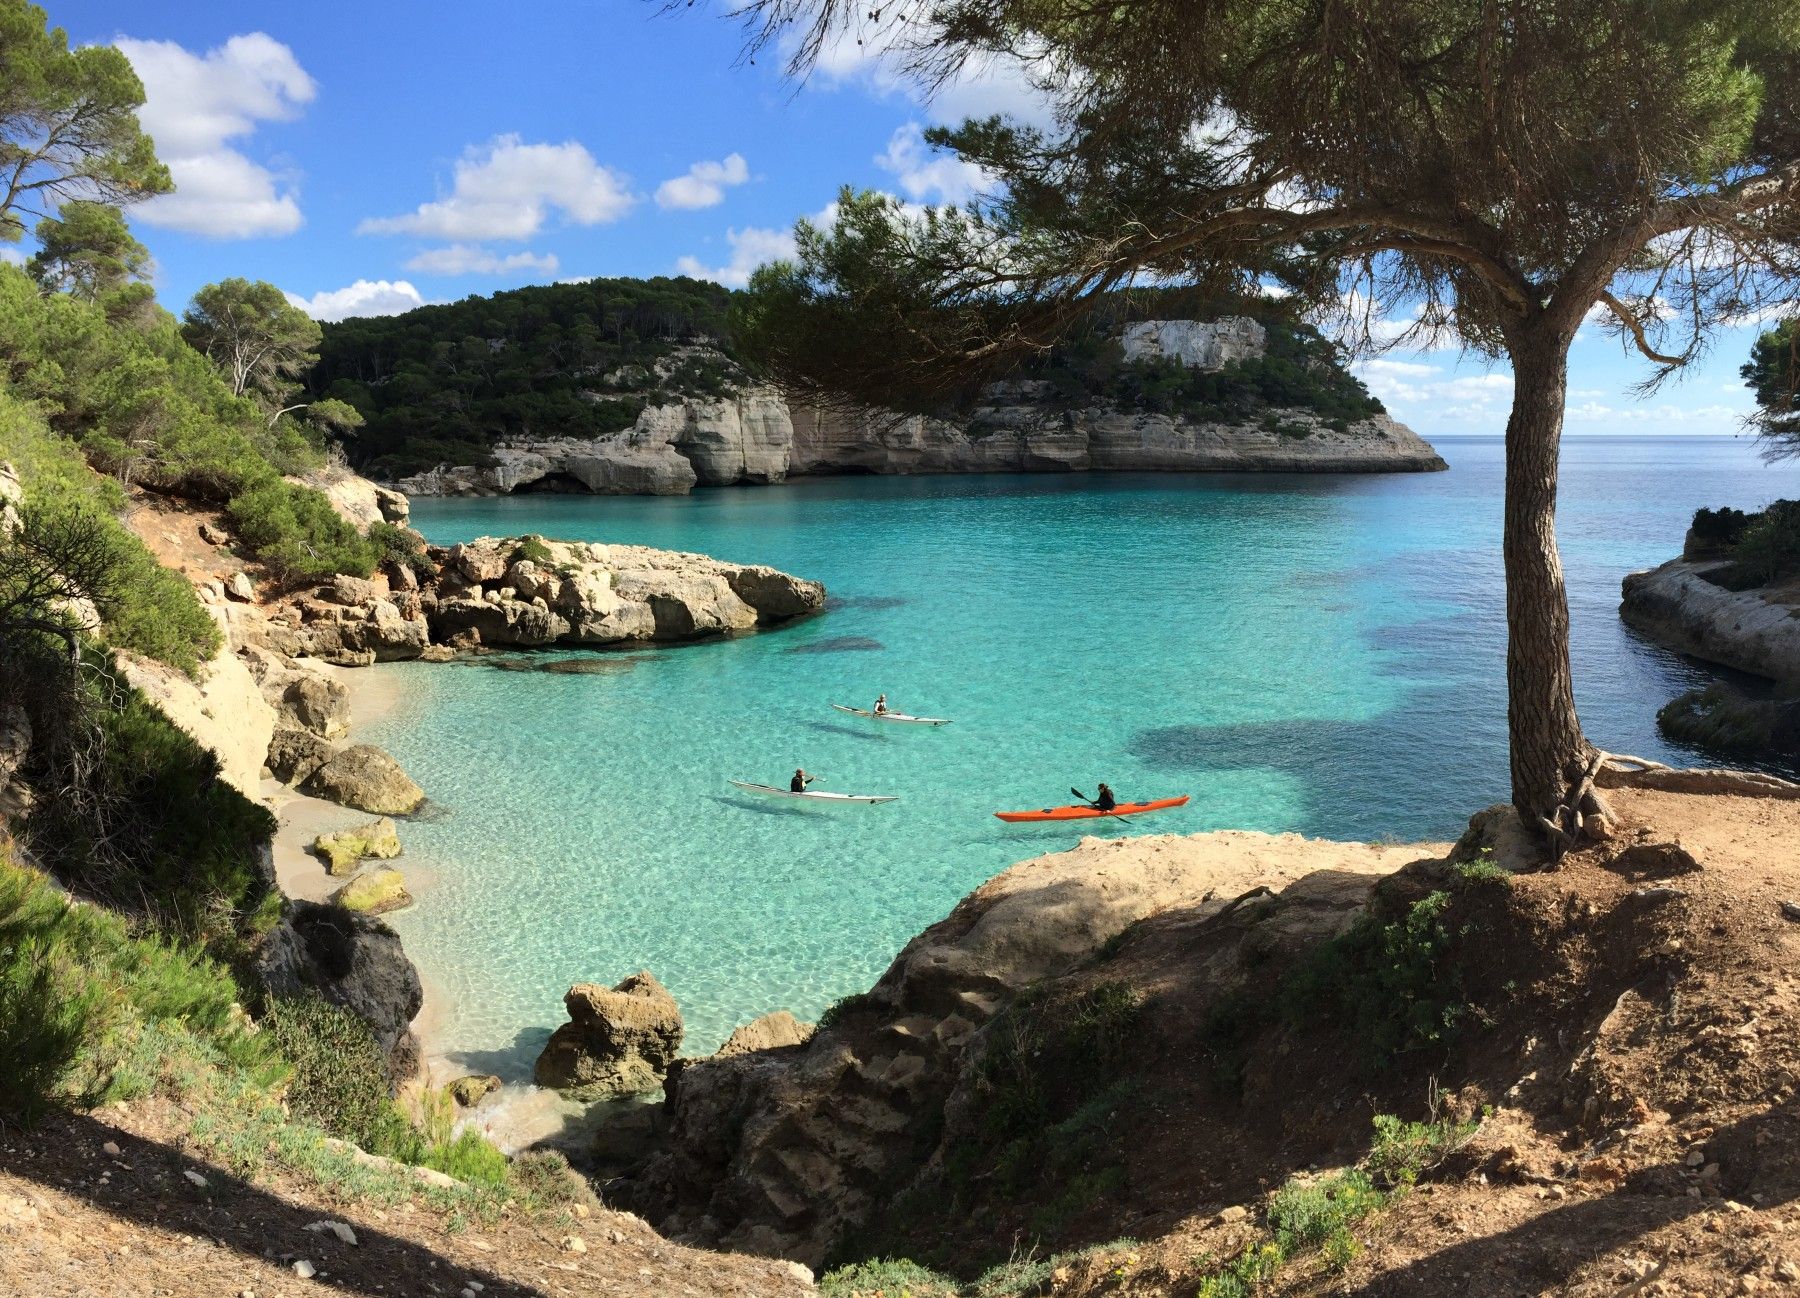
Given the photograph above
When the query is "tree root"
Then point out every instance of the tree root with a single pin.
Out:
(1585, 811)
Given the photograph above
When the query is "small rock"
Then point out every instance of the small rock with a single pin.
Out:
(1237, 1212)
(304, 1269)
(1696, 1157)
(799, 1270)
(339, 1228)
(1787, 1271)
(194, 1176)
(574, 1244)
(1791, 910)
(1710, 1172)
(469, 1091)
(240, 587)
(214, 535)
(110, 1148)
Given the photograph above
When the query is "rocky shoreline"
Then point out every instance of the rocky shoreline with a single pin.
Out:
(1681, 607)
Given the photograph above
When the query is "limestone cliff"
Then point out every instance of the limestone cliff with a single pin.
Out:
(756, 435)
(1679, 605)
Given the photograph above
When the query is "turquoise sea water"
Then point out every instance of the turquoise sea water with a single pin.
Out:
(1311, 653)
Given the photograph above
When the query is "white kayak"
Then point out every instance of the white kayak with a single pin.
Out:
(769, 790)
(892, 716)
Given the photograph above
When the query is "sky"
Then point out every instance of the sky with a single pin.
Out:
(370, 157)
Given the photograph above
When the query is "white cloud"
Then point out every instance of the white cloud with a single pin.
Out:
(363, 298)
(862, 53)
(468, 259)
(12, 256)
(704, 185)
(928, 176)
(506, 188)
(193, 105)
(750, 248)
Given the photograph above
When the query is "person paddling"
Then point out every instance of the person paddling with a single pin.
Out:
(799, 782)
(881, 706)
(1103, 800)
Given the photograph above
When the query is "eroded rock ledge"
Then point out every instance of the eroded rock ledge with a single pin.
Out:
(1679, 607)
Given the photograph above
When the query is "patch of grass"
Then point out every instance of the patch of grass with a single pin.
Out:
(1483, 872)
(1315, 1216)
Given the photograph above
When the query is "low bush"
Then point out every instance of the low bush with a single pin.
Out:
(1714, 532)
(845, 1007)
(78, 989)
(297, 535)
(1768, 548)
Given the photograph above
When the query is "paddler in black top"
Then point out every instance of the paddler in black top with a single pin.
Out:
(802, 779)
(1104, 799)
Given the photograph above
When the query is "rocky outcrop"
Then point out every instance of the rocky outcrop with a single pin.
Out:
(374, 892)
(356, 499)
(354, 962)
(223, 711)
(365, 777)
(1678, 606)
(302, 696)
(780, 1151)
(1195, 344)
(617, 1042)
(528, 591)
(709, 442)
(346, 849)
(768, 1032)
(15, 748)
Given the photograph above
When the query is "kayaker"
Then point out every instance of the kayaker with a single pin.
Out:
(1104, 799)
(881, 706)
(802, 779)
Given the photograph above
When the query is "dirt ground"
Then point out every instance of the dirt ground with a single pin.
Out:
(143, 1218)
(1640, 1067)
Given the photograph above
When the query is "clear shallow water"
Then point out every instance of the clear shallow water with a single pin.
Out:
(1312, 653)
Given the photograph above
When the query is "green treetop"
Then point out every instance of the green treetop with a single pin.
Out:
(68, 123)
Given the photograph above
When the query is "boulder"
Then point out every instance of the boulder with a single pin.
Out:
(365, 777)
(770, 1032)
(295, 754)
(316, 703)
(472, 1089)
(343, 851)
(374, 892)
(1506, 840)
(617, 1042)
(351, 591)
(240, 587)
(213, 534)
(353, 961)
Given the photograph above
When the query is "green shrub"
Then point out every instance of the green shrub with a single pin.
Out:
(1768, 549)
(532, 548)
(1389, 981)
(339, 1077)
(1403, 1151)
(77, 988)
(1714, 532)
(887, 1278)
(401, 546)
(297, 535)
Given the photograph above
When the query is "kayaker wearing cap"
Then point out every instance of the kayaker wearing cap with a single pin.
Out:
(881, 706)
(1104, 799)
(802, 779)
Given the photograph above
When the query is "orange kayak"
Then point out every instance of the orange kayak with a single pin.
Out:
(1080, 811)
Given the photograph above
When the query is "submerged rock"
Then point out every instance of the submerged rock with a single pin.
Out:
(473, 1089)
(841, 644)
(617, 1042)
(365, 777)
(344, 850)
(354, 962)
(374, 892)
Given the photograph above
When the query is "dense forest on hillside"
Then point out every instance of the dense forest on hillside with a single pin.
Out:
(442, 384)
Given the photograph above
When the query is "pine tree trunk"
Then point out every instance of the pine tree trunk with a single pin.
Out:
(1546, 740)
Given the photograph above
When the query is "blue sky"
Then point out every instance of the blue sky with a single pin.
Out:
(365, 157)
